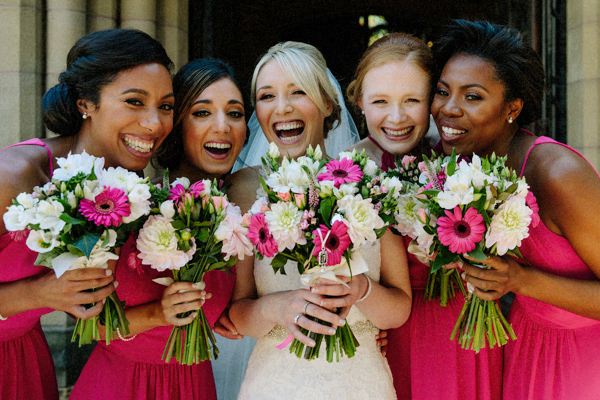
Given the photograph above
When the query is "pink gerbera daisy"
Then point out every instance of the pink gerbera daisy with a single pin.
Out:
(340, 172)
(336, 243)
(108, 208)
(177, 193)
(261, 237)
(461, 233)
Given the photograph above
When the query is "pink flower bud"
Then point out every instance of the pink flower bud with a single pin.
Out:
(220, 202)
(300, 199)
(285, 196)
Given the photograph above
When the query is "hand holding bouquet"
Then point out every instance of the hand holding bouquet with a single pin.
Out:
(77, 220)
(318, 213)
(194, 230)
(475, 209)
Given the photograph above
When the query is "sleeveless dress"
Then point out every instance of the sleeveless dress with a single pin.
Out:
(27, 369)
(134, 369)
(557, 354)
(426, 364)
(277, 374)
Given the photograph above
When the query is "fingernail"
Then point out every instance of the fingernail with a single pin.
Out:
(199, 285)
(311, 343)
(103, 301)
(342, 322)
(116, 283)
(331, 331)
(108, 272)
(314, 290)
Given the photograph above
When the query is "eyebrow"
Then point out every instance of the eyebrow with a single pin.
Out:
(271, 87)
(208, 101)
(144, 92)
(468, 86)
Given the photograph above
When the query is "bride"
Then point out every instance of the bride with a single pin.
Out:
(296, 106)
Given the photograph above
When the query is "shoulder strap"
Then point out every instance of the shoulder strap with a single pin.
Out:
(37, 142)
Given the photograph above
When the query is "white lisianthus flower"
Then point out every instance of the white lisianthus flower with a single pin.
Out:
(183, 181)
(392, 183)
(207, 187)
(42, 241)
(48, 215)
(119, 178)
(509, 226)
(157, 244)
(406, 215)
(361, 217)
(284, 220)
(522, 188)
(260, 205)
(289, 177)
(234, 234)
(16, 218)
(313, 166)
(325, 188)
(74, 164)
(90, 190)
(27, 200)
(474, 172)
(457, 190)
(346, 189)
(371, 168)
(318, 154)
(139, 202)
(273, 150)
(167, 209)
(346, 154)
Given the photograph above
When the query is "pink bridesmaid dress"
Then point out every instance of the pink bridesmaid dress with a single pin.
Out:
(27, 370)
(426, 364)
(557, 353)
(134, 369)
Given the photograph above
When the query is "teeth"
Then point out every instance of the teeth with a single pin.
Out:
(397, 132)
(288, 140)
(143, 146)
(218, 145)
(451, 131)
(285, 126)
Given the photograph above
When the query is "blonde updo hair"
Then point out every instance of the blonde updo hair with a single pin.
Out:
(394, 47)
(307, 67)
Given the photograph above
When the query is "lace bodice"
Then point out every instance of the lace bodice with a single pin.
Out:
(277, 374)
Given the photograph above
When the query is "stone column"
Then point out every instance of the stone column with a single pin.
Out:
(583, 77)
(21, 81)
(102, 14)
(172, 29)
(139, 14)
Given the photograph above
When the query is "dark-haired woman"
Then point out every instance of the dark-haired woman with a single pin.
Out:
(112, 101)
(208, 134)
(490, 86)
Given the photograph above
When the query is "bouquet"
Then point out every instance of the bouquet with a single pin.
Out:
(77, 220)
(318, 213)
(479, 208)
(411, 220)
(193, 230)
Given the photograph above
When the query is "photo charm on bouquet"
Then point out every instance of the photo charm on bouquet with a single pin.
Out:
(318, 213)
(469, 211)
(78, 220)
(193, 229)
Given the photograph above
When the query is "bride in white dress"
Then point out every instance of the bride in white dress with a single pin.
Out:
(296, 106)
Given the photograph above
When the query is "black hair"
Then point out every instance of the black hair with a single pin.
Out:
(93, 62)
(188, 83)
(516, 64)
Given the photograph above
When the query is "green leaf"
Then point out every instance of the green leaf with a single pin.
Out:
(478, 253)
(71, 220)
(203, 235)
(45, 259)
(451, 168)
(74, 250)
(325, 209)
(87, 242)
(278, 263)
(178, 224)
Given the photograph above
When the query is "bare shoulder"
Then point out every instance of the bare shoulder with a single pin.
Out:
(242, 187)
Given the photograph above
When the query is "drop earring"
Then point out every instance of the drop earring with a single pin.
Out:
(84, 115)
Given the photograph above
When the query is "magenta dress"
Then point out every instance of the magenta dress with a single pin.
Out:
(27, 370)
(426, 364)
(557, 353)
(134, 369)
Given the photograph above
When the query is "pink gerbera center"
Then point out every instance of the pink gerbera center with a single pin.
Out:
(336, 241)
(461, 233)
(107, 209)
(261, 237)
(340, 172)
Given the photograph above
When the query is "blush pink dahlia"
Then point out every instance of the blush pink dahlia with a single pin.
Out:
(261, 237)
(108, 208)
(461, 233)
(340, 172)
(336, 241)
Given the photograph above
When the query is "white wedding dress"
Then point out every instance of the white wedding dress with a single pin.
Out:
(278, 374)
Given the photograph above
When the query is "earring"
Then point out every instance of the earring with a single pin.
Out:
(84, 115)
(510, 119)
(362, 112)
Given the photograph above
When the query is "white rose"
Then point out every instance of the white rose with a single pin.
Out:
(371, 168)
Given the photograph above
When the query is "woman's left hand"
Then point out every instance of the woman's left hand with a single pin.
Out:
(341, 296)
(505, 275)
(225, 327)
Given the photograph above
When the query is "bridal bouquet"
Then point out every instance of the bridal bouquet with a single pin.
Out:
(479, 208)
(193, 230)
(318, 213)
(77, 220)
(411, 220)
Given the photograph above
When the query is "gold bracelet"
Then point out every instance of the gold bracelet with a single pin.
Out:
(368, 292)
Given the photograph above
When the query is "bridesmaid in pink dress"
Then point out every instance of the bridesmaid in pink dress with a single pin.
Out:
(209, 133)
(491, 84)
(392, 89)
(71, 109)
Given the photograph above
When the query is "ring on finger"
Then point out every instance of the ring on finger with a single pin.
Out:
(296, 318)
(306, 306)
